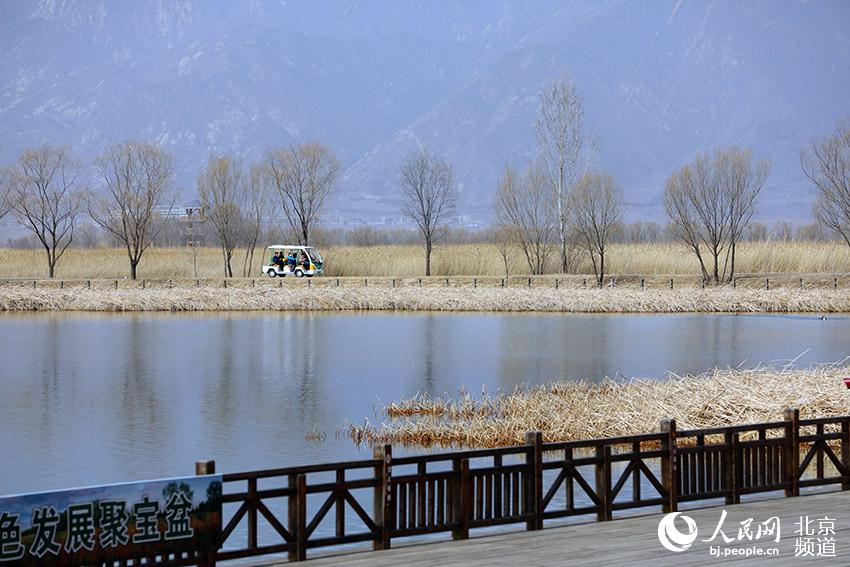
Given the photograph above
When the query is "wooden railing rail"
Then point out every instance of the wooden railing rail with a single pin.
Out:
(569, 282)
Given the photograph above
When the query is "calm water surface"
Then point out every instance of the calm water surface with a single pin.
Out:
(89, 399)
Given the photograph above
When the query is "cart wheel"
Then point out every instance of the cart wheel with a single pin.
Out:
(272, 273)
(299, 273)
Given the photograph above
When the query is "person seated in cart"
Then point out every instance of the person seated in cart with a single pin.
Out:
(305, 261)
(290, 259)
(277, 260)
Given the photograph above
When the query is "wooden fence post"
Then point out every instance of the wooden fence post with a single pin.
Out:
(556, 283)
(534, 458)
(393, 282)
(584, 283)
(669, 467)
(767, 283)
(462, 499)
(61, 284)
(292, 512)
(845, 453)
(337, 282)
(834, 283)
(207, 558)
(529, 282)
(727, 469)
(671, 283)
(300, 517)
(474, 283)
(734, 283)
(251, 501)
(792, 451)
(503, 282)
(737, 467)
(603, 469)
(642, 283)
(801, 283)
(365, 282)
(204, 467)
(383, 499)
(116, 284)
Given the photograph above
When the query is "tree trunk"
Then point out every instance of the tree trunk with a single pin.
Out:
(428, 256)
(732, 264)
(133, 264)
(562, 228)
(228, 270)
(601, 266)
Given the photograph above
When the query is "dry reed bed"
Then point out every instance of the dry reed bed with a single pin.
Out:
(429, 299)
(448, 260)
(567, 411)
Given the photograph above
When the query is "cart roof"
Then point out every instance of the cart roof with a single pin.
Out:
(286, 246)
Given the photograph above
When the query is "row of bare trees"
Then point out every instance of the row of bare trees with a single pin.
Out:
(44, 190)
(559, 197)
(710, 202)
(240, 202)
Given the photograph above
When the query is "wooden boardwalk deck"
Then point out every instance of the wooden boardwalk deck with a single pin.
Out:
(629, 541)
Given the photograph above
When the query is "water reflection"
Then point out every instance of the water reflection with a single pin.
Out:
(102, 398)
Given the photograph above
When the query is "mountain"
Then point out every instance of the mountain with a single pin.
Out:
(376, 80)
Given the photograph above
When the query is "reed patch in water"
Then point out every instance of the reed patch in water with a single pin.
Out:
(576, 410)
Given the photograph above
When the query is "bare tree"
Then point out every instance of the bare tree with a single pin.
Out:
(597, 207)
(259, 206)
(524, 210)
(304, 176)
(710, 202)
(559, 133)
(43, 192)
(827, 165)
(740, 184)
(684, 221)
(137, 178)
(427, 185)
(221, 188)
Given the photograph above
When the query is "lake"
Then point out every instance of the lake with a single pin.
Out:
(100, 398)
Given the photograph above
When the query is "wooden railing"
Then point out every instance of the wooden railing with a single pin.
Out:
(383, 498)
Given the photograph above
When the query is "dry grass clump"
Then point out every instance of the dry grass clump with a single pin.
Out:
(566, 411)
(448, 260)
(300, 298)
